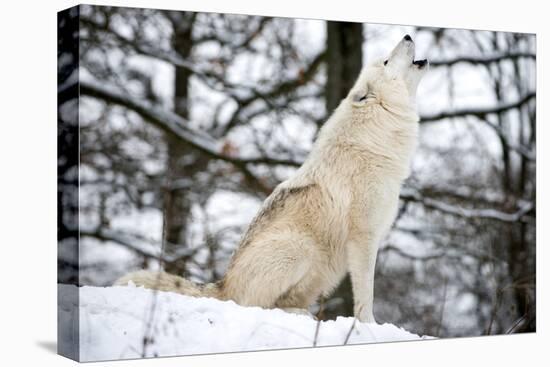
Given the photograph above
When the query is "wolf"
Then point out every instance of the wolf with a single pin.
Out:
(329, 218)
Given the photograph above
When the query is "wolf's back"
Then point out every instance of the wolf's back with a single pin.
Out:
(169, 283)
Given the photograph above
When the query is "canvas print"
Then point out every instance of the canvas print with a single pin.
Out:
(231, 183)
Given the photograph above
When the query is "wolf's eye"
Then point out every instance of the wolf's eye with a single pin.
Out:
(362, 98)
(385, 62)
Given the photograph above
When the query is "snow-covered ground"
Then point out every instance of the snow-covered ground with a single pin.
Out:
(115, 321)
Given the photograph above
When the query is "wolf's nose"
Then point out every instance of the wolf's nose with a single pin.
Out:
(407, 38)
(420, 63)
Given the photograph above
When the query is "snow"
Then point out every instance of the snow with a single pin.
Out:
(114, 320)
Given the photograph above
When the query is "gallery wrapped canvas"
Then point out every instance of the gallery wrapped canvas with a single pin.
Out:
(232, 183)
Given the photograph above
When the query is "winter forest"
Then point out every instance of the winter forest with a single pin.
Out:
(187, 121)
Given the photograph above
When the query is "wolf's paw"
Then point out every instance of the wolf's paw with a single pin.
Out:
(363, 315)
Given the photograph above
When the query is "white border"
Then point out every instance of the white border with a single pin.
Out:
(28, 180)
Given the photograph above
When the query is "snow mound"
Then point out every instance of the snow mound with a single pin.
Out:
(115, 321)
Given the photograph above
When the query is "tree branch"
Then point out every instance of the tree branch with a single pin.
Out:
(478, 112)
(415, 196)
(173, 124)
(176, 60)
(130, 242)
(483, 60)
(408, 256)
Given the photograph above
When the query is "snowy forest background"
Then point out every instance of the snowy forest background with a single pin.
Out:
(189, 120)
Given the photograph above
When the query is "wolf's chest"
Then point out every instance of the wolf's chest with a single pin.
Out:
(374, 207)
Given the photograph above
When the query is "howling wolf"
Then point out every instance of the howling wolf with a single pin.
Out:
(329, 218)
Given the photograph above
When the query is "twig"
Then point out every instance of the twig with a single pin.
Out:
(496, 304)
(350, 330)
(442, 307)
(522, 282)
(319, 318)
(516, 324)
(147, 338)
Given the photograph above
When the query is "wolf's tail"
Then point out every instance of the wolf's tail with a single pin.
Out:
(170, 283)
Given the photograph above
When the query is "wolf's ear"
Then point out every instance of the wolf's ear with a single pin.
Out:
(359, 97)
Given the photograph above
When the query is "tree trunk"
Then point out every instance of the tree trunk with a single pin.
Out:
(344, 60)
(344, 63)
(177, 205)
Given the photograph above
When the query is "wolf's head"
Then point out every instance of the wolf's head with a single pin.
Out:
(391, 80)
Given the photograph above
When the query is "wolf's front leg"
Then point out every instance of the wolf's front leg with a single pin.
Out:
(361, 264)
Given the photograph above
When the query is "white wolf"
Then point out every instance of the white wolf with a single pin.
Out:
(329, 218)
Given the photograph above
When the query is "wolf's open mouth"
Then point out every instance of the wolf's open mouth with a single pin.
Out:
(420, 63)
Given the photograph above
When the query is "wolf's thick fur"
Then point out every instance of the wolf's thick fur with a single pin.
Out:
(329, 218)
